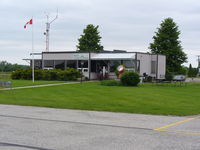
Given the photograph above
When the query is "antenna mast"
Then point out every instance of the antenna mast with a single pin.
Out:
(198, 65)
(48, 30)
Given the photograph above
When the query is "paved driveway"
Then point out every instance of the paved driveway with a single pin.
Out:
(33, 128)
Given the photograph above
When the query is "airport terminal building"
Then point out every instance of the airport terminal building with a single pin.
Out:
(93, 64)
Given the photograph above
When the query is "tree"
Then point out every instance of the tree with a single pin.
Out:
(90, 39)
(192, 72)
(183, 70)
(8, 67)
(166, 41)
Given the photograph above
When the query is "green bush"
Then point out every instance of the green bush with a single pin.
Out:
(110, 83)
(25, 74)
(130, 78)
(38, 74)
(169, 76)
(68, 75)
(55, 74)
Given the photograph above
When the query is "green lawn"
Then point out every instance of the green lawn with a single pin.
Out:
(17, 83)
(5, 76)
(145, 99)
(20, 83)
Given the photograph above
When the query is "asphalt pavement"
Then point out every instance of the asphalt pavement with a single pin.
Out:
(37, 128)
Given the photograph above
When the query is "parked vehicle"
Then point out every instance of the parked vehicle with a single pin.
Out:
(179, 78)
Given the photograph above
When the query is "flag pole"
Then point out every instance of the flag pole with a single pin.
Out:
(33, 64)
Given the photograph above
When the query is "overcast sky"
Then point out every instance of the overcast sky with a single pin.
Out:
(127, 25)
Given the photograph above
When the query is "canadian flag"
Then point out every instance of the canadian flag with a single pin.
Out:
(29, 22)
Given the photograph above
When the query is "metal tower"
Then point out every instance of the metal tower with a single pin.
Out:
(48, 30)
(198, 65)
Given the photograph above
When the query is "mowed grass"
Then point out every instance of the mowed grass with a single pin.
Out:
(145, 99)
(5, 76)
(20, 83)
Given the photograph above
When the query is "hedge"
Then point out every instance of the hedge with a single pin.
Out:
(70, 74)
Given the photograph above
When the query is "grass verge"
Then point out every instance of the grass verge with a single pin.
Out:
(145, 99)
(20, 83)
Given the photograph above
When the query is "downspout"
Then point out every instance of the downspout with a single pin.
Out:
(42, 62)
(89, 65)
(157, 68)
(136, 62)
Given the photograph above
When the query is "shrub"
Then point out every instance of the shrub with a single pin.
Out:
(16, 75)
(25, 74)
(55, 74)
(38, 74)
(110, 83)
(169, 76)
(130, 78)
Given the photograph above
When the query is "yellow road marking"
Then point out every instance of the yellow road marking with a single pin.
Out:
(181, 132)
(176, 123)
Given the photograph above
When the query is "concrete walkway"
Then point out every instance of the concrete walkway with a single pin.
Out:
(40, 128)
(43, 85)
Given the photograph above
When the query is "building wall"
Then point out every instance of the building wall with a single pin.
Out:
(146, 61)
(65, 56)
(145, 65)
(161, 66)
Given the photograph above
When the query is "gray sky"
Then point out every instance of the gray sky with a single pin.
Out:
(127, 24)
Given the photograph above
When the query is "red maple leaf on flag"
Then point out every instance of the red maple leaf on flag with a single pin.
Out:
(29, 22)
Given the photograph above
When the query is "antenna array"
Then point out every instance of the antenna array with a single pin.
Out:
(46, 33)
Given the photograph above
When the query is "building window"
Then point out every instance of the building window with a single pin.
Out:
(72, 64)
(138, 66)
(114, 64)
(48, 63)
(60, 64)
(129, 64)
(153, 67)
(93, 66)
(37, 64)
(84, 65)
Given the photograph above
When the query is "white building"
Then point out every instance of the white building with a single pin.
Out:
(93, 64)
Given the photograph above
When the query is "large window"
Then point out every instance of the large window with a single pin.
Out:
(82, 64)
(129, 64)
(37, 64)
(72, 64)
(48, 63)
(60, 64)
(138, 66)
(114, 64)
(93, 66)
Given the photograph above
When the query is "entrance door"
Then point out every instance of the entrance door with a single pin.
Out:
(83, 66)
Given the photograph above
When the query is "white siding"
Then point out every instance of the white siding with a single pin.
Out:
(112, 56)
(65, 56)
(161, 66)
(145, 63)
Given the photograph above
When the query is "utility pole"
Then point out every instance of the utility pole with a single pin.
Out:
(48, 24)
(198, 65)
